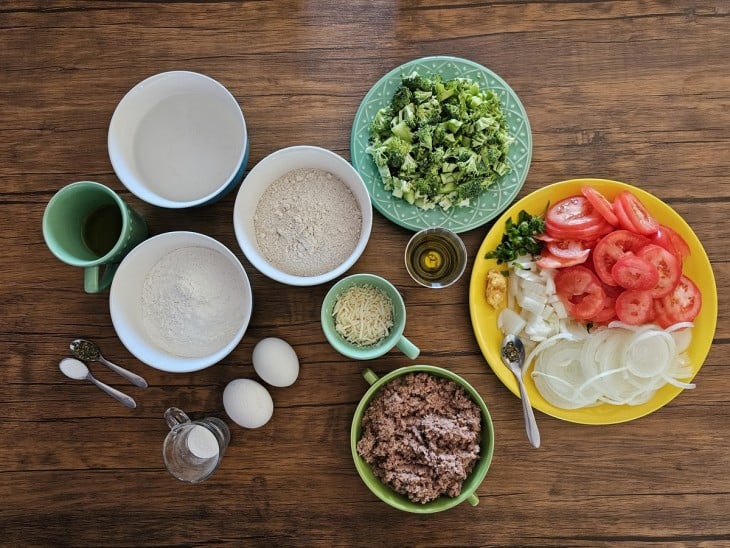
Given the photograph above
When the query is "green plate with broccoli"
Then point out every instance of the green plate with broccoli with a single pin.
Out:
(451, 150)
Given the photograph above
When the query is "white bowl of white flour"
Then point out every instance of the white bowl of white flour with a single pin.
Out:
(303, 216)
(180, 301)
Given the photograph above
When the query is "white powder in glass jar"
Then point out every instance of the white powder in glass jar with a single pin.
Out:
(307, 222)
(193, 302)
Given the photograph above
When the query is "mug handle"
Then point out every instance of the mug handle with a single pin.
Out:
(473, 499)
(408, 348)
(370, 376)
(175, 417)
(93, 283)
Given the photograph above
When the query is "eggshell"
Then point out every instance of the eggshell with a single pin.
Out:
(276, 362)
(248, 403)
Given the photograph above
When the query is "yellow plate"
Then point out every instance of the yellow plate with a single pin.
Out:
(484, 317)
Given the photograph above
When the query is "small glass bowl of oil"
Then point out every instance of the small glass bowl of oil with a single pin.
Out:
(435, 257)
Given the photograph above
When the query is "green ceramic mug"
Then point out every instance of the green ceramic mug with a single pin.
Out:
(383, 491)
(86, 224)
(394, 338)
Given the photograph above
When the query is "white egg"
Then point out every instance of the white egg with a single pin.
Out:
(276, 362)
(248, 403)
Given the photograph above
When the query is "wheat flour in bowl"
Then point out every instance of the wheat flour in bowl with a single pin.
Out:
(193, 302)
(307, 222)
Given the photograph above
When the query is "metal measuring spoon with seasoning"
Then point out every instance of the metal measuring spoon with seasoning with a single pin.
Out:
(88, 351)
(77, 370)
(513, 356)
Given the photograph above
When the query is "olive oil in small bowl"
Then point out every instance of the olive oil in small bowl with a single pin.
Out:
(435, 257)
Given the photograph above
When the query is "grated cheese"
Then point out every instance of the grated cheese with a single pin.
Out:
(363, 315)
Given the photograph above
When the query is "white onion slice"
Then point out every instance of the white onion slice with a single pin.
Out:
(649, 353)
(542, 346)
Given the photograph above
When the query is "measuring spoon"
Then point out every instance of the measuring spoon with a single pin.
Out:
(513, 356)
(76, 369)
(87, 350)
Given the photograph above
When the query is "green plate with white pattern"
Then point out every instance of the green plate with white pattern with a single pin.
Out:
(492, 201)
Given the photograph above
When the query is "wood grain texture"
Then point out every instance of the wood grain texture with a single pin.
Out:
(633, 91)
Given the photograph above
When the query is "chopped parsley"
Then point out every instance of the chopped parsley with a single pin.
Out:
(519, 238)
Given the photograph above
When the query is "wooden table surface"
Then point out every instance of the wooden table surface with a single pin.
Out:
(636, 92)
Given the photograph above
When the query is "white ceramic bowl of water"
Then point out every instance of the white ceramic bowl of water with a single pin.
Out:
(205, 303)
(178, 139)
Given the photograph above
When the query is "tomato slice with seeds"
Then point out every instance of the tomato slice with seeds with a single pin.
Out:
(611, 248)
(635, 307)
(600, 203)
(670, 240)
(609, 306)
(548, 260)
(661, 317)
(668, 266)
(580, 291)
(574, 218)
(683, 303)
(572, 212)
(569, 249)
(633, 272)
(637, 213)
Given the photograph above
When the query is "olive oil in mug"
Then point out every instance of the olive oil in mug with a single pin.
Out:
(102, 229)
(435, 257)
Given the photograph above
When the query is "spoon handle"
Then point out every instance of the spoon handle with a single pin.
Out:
(533, 434)
(114, 393)
(135, 379)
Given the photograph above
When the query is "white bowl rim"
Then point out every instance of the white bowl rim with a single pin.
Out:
(249, 248)
(136, 344)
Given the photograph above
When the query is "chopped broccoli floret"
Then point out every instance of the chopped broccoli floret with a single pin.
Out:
(403, 96)
(439, 142)
(402, 131)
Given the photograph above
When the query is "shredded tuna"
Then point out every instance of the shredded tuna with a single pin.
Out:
(421, 435)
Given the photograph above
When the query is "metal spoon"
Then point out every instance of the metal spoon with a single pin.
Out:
(513, 356)
(76, 369)
(87, 350)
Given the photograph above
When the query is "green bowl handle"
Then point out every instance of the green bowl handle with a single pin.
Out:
(473, 499)
(369, 375)
(408, 348)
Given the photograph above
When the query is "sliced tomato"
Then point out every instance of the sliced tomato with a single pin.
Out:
(600, 204)
(612, 247)
(683, 303)
(668, 266)
(569, 249)
(623, 219)
(572, 212)
(637, 213)
(545, 237)
(580, 291)
(634, 272)
(548, 260)
(670, 240)
(587, 232)
(635, 307)
(660, 314)
(608, 312)
(574, 218)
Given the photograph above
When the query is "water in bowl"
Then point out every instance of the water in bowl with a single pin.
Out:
(188, 146)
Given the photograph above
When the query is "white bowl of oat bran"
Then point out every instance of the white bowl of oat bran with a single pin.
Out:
(303, 216)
